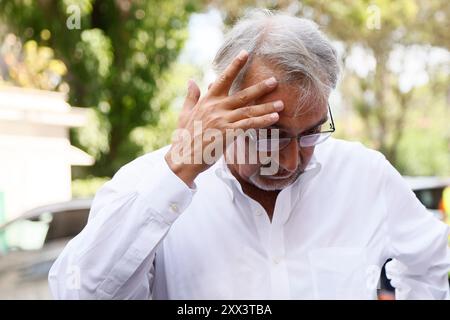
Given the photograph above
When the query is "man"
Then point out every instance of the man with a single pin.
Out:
(306, 221)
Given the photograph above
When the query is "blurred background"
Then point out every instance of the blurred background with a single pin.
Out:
(88, 85)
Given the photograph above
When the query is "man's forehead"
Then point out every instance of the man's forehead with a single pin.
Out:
(295, 107)
(294, 104)
(297, 115)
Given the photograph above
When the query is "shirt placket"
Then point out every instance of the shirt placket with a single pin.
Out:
(271, 235)
(277, 249)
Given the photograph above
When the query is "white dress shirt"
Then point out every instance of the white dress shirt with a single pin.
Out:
(150, 236)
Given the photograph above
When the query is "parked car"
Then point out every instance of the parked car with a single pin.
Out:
(34, 241)
(430, 190)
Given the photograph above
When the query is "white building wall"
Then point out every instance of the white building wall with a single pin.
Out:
(35, 152)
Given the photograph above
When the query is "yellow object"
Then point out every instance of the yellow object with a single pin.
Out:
(445, 203)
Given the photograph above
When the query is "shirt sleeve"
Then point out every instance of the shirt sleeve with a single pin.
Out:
(418, 243)
(112, 258)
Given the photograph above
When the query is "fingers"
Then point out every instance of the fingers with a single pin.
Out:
(192, 96)
(255, 111)
(223, 84)
(257, 122)
(252, 93)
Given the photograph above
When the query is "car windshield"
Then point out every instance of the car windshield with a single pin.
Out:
(26, 234)
(430, 197)
(33, 233)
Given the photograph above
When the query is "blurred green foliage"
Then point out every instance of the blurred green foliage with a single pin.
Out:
(32, 66)
(380, 112)
(171, 91)
(115, 59)
(120, 63)
(87, 187)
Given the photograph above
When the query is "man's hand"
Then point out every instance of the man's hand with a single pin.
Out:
(217, 110)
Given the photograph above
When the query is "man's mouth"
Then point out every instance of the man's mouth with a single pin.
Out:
(281, 175)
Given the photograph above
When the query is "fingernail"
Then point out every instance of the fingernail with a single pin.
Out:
(278, 105)
(274, 116)
(242, 55)
(190, 83)
(271, 82)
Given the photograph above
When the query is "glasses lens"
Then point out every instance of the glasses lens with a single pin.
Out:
(314, 139)
(268, 145)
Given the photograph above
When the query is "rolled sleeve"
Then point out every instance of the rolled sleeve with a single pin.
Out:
(170, 195)
(130, 216)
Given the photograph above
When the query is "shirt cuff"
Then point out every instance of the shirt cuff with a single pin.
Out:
(164, 192)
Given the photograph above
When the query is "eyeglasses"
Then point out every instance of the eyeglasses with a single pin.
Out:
(307, 140)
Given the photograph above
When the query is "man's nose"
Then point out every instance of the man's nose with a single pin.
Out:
(289, 156)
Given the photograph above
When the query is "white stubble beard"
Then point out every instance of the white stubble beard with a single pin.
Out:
(275, 184)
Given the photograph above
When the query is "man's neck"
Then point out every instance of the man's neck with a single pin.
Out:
(266, 199)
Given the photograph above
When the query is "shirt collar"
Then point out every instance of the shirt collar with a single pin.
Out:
(223, 173)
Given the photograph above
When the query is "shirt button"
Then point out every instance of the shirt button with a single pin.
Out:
(258, 212)
(174, 207)
(276, 260)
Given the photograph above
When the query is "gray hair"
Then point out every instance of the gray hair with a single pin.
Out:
(292, 45)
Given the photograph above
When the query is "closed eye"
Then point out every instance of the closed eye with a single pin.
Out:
(313, 131)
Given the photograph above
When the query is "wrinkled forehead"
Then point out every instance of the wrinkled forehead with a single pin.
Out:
(298, 115)
(296, 105)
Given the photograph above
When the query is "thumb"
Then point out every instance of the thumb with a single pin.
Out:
(192, 96)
